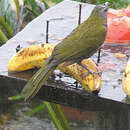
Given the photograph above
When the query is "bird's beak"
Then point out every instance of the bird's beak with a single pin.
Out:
(106, 6)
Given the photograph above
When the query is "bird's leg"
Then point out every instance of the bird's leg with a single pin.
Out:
(76, 84)
(35, 70)
(99, 55)
(89, 71)
(67, 63)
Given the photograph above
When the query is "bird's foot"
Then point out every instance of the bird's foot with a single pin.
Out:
(76, 84)
(91, 72)
(86, 93)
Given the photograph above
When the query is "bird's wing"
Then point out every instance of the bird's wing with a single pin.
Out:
(81, 43)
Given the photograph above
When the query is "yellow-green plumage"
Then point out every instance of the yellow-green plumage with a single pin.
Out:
(82, 43)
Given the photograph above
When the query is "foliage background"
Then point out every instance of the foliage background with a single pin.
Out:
(17, 18)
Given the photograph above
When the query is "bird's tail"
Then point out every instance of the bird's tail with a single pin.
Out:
(37, 81)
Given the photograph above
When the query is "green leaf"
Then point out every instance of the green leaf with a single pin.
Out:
(31, 6)
(53, 116)
(115, 3)
(35, 110)
(7, 13)
(33, 11)
(3, 37)
(17, 97)
(50, 3)
(6, 27)
(18, 9)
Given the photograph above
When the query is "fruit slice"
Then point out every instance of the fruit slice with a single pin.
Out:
(118, 22)
(36, 56)
(126, 79)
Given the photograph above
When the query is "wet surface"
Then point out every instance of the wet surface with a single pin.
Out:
(113, 69)
(112, 76)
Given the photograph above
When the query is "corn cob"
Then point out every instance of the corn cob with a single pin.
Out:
(36, 56)
(126, 79)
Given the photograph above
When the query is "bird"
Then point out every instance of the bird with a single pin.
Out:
(80, 44)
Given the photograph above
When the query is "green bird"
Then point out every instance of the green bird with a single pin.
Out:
(80, 44)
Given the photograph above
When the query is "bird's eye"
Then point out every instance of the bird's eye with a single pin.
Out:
(107, 4)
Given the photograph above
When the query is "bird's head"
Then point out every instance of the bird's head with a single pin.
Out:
(101, 9)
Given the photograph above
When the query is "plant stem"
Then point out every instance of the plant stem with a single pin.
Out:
(35, 110)
(53, 116)
(61, 116)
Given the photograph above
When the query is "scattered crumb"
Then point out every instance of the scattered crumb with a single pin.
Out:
(120, 55)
